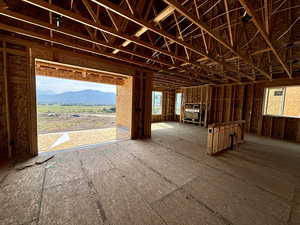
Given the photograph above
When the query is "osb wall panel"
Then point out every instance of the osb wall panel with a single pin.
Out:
(19, 103)
(168, 107)
(124, 104)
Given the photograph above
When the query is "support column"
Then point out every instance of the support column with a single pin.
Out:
(141, 120)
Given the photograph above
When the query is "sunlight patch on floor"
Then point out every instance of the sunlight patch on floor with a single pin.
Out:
(158, 126)
(65, 140)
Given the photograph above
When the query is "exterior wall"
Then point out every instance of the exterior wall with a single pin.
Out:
(290, 101)
(18, 94)
(20, 69)
(168, 106)
(19, 103)
(124, 104)
(292, 104)
(245, 102)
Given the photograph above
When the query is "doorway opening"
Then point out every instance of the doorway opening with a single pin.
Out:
(78, 107)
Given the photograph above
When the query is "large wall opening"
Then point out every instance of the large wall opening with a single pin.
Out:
(78, 107)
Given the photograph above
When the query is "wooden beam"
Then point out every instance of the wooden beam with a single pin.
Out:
(202, 32)
(76, 35)
(264, 34)
(130, 7)
(108, 5)
(228, 21)
(87, 22)
(94, 17)
(72, 45)
(159, 17)
(84, 21)
(32, 134)
(209, 31)
(5, 90)
(113, 20)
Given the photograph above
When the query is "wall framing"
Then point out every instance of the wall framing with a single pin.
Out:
(21, 95)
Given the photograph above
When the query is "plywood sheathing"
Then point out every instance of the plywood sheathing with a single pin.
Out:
(124, 104)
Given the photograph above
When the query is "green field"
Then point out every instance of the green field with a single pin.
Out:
(57, 118)
(75, 109)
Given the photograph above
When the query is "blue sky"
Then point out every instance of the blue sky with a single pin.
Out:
(59, 85)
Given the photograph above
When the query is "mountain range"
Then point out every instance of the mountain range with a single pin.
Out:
(84, 97)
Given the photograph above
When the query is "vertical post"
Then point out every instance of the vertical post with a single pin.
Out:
(298, 132)
(147, 105)
(5, 87)
(33, 145)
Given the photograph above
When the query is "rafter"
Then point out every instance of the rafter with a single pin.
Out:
(264, 34)
(180, 35)
(84, 38)
(130, 7)
(110, 6)
(165, 40)
(94, 17)
(228, 21)
(159, 17)
(76, 35)
(113, 20)
(202, 32)
(85, 21)
(203, 26)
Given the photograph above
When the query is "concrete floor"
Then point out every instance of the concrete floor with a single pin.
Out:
(168, 180)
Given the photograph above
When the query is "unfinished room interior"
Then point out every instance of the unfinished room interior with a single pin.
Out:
(208, 90)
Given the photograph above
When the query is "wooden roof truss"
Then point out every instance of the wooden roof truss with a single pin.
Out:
(184, 42)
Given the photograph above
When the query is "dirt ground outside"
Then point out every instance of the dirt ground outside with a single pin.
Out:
(62, 127)
(55, 118)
